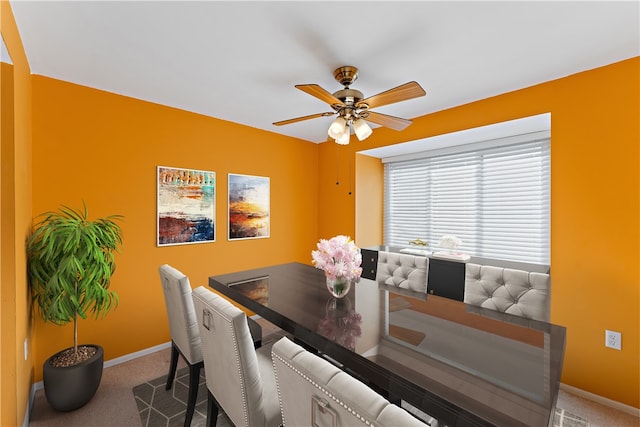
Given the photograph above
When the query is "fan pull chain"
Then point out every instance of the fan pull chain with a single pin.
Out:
(350, 179)
(337, 166)
(338, 171)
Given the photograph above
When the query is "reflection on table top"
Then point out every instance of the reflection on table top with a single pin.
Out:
(459, 363)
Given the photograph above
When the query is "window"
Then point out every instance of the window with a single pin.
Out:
(493, 195)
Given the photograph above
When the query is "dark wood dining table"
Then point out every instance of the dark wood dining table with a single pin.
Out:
(461, 364)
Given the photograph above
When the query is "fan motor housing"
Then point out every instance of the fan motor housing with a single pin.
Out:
(349, 96)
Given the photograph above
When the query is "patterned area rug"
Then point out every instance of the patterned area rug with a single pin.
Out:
(161, 408)
(167, 408)
(562, 418)
(565, 418)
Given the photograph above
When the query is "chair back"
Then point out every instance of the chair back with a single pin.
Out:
(183, 324)
(230, 361)
(518, 292)
(312, 391)
(402, 270)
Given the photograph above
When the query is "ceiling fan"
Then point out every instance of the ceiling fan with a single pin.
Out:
(353, 109)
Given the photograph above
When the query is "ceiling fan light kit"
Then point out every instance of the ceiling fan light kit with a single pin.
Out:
(352, 108)
(362, 129)
(337, 128)
(344, 138)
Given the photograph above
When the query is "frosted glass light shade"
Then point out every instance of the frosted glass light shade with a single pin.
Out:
(344, 138)
(336, 130)
(362, 129)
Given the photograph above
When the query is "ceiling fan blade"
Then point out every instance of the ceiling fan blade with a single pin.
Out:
(401, 93)
(385, 120)
(299, 119)
(320, 93)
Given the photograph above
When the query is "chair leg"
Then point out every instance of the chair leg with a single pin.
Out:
(194, 380)
(212, 410)
(172, 366)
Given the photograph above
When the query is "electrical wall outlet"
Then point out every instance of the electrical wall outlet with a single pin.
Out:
(613, 339)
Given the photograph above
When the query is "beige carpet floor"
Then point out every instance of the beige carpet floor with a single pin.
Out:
(114, 404)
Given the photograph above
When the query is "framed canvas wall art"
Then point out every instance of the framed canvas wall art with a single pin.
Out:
(186, 206)
(249, 207)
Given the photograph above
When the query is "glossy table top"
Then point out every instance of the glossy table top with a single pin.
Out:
(462, 364)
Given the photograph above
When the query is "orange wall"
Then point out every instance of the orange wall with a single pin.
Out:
(7, 304)
(595, 234)
(369, 201)
(336, 180)
(104, 148)
(15, 205)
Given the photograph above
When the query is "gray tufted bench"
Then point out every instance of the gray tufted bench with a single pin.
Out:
(512, 291)
(402, 270)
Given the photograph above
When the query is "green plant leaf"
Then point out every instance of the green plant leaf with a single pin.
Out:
(70, 262)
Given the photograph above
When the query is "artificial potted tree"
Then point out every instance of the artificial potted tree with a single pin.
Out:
(70, 262)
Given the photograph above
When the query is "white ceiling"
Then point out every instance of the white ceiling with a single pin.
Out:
(4, 53)
(239, 60)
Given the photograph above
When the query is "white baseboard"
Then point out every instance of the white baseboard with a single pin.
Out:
(27, 412)
(131, 356)
(118, 360)
(601, 400)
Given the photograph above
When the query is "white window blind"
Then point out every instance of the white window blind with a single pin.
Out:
(495, 199)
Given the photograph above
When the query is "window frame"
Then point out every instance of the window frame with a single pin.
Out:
(486, 247)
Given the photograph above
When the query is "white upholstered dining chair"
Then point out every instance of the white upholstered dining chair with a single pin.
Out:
(402, 270)
(313, 391)
(522, 293)
(183, 327)
(239, 378)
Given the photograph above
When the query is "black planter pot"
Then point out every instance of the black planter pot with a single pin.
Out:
(72, 387)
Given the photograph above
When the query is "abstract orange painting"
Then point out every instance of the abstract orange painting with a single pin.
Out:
(249, 211)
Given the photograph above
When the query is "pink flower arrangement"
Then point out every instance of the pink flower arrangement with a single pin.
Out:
(339, 257)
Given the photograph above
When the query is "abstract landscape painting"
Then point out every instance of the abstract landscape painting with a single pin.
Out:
(248, 207)
(186, 206)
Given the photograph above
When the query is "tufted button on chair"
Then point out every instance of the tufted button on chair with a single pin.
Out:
(183, 326)
(314, 392)
(239, 378)
(512, 291)
(402, 270)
